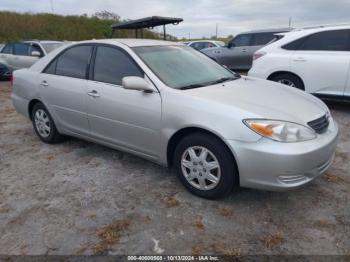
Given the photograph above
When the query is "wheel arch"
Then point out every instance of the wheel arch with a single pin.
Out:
(180, 134)
(274, 74)
(31, 105)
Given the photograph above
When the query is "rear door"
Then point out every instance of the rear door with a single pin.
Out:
(126, 118)
(64, 88)
(322, 60)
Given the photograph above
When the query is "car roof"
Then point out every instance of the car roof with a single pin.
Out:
(271, 30)
(322, 28)
(204, 40)
(43, 41)
(133, 42)
(299, 33)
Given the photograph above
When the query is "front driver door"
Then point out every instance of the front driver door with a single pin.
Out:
(234, 56)
(125, 118)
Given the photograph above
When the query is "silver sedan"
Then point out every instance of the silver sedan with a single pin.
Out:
(175, 106)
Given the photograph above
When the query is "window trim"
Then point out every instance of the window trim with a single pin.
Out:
(93, 59)
(55, 60)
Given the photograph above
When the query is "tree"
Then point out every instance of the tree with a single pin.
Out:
(106, 15)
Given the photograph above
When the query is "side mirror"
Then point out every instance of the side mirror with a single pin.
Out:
(36, 53)
(136, 83)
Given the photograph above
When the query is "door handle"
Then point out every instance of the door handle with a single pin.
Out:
(94, 93)
(299, 59)
(44, 83)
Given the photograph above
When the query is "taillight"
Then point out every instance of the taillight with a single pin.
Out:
(257, 55)
(11, 79)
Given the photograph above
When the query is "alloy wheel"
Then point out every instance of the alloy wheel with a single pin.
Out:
(42, 123)
(200, 167)
(286, 82)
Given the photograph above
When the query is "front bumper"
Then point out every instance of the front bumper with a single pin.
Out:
(271, 165)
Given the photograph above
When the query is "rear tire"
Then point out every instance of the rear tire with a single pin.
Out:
(44, 125)
(205, 166)
(289, 80)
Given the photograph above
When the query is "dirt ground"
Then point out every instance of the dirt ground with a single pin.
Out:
(81, 198)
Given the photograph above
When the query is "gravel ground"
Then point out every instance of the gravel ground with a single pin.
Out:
(81, 198)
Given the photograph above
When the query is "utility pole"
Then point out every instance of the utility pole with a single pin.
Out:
(52, 10)
(216, 31)
(290, 22)
(189, 36)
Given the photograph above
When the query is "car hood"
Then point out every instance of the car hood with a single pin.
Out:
(263, 99)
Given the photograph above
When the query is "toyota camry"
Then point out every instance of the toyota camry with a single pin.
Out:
(173, 105)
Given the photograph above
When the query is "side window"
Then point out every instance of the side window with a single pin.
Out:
(241, 40)
(208, 45)
(51, 68)
(21, 49)
(198, 45)
(327, 41)
(74, 62)
(295, 45)
(262, 38)
(7, 49)
(35, 47)
(112, 64)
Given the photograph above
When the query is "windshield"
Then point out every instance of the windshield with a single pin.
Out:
(51, 46)
(181, 66)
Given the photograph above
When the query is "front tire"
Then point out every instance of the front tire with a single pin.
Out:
(289, 80)
(205, 166)
(44, 125)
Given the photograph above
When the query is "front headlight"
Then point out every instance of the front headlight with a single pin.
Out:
(281, 131)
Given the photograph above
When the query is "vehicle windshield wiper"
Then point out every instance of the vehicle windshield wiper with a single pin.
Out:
(223, 79)
(218, 81)
(191, 86)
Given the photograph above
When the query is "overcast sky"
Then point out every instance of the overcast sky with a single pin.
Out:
(201, 16)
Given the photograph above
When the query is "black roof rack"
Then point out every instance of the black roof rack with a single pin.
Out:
(147, 22)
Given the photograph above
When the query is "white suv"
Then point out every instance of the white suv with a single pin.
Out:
(23, 54)
(316, 60)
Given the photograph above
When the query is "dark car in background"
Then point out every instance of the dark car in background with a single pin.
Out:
(238, 54)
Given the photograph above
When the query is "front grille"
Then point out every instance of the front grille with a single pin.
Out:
(320, 125)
